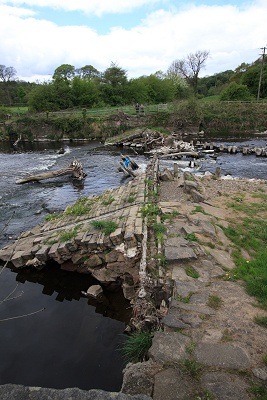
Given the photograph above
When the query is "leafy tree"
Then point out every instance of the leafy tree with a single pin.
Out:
(84, 92)
(64, 71)
(42, 98)
(88, 72)
(212, 85)
(189, 67)
(114, 75)
(160, 90)
(114, 85)
(235, 92)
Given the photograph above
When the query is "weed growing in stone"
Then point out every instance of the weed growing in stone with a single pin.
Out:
(65, 236)
(190, 348)
(227, 336)
(136, 346)
(169, 216)
(162, 260)
(192, 272)
(82, 206)
(192, 367)
(52, 217)
(107, 201)
(260, 391)
(214, 302)
(191, 237)
(262, 321)
(106, 226)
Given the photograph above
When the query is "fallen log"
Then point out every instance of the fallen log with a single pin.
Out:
(180, 154)
(126, 170)
(74, 168)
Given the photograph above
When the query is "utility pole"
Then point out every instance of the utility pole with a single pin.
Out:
(262, 65)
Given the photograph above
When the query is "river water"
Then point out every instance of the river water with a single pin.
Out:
(68, 340)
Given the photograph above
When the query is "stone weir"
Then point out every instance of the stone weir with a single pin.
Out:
(98, 235)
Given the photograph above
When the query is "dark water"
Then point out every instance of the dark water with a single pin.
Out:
(72, 342)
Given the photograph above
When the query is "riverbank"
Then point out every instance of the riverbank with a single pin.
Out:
(211, 318)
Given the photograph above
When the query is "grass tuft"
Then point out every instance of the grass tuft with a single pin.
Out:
(136, 346)
(106, 226)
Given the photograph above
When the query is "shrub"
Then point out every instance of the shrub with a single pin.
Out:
(136, 346)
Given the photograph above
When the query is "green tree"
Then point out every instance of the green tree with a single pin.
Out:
(43, 98)
(88, 72)
(235, 92)
(114, 85)
(85, 92)
(64, 71)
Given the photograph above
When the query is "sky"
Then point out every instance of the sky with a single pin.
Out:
(140, 36)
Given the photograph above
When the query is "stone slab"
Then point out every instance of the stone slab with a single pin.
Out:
(19, 392)
(225, 386)
(222, 355)
(173, 320)
(170, 384)
(197, 308)
(168, 347)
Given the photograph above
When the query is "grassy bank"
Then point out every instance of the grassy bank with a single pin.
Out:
(248, 232)
(210, 116)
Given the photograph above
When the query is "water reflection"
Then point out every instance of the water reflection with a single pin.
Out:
(73, 342)
(68, 286)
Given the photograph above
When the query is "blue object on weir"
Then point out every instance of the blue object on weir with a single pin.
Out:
(126, 162)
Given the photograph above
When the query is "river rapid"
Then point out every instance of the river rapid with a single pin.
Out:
(68, 340)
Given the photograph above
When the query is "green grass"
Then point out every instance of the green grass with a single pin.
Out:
(106, 226)
(136, 346)
(250, 233)
(259, 391)
(159, 230)
(65, 236)
(192, 272)
(262, 321)
(108, 200)
(214, 302)
(52, 217)
(191, 237)
(199, 209)
(192, 367)
(82, 206)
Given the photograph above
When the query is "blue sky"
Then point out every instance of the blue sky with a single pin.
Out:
(37, 36)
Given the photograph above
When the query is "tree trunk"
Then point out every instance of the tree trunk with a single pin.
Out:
(74, 168)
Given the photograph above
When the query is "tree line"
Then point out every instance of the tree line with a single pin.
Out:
(89, 88)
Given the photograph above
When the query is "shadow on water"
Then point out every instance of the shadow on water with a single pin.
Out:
(68, 286)
(64, 339)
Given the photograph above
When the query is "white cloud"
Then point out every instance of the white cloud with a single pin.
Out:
(232, 35)
(97, 7)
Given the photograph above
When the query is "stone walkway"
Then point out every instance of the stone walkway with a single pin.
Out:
(210, 347)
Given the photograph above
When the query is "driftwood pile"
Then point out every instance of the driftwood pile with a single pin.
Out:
(74, 169)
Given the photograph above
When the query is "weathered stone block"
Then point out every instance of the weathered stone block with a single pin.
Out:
(93, 261)
(112, 256)
(17, 259)
(130, 240)
(116, 237)
(94, 290)
(42, 253)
